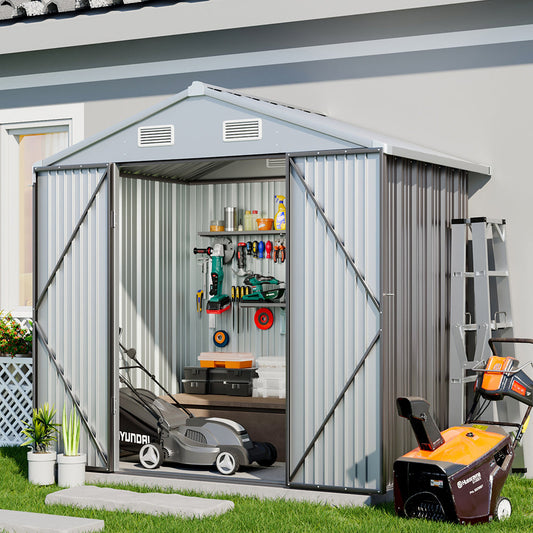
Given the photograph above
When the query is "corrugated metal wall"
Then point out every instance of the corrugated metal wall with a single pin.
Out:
(72, 316)
(419, 201)
(334, 322)
(159, 274)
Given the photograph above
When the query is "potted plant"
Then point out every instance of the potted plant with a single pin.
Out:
(40, 433)
(14, 339)
(71, 464)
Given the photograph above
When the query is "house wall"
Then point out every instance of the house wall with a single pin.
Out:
(455, 78)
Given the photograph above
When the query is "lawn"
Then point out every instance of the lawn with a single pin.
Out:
(252, 514)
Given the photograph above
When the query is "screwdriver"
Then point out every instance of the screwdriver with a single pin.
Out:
(233, 304)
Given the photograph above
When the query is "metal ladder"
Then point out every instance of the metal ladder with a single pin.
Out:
(480, 305)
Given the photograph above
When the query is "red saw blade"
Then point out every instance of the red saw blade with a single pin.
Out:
(264, 318)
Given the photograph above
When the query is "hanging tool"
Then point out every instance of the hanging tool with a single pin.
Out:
(241, 260)
(264, 318)
(207, 250)
(219, 302)
(199, 299)
(233, 305)
(279, 252)
(254, 249)
(221, 338)
(241, 296)
(261, 249)
(249, 248)
(263, 288)
(268, 249)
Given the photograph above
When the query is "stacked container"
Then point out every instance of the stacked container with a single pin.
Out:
(271, 380)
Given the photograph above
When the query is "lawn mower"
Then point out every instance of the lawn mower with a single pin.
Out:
(457, 475)
(160, 431)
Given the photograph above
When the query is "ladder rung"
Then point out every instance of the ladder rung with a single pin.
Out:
(491, 273)
(501, 325)
(493, 325)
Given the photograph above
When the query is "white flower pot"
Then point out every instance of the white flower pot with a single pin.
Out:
(41, 468)
(71, 470)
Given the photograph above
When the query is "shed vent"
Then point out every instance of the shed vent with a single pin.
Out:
(155, 136)
(243, 130)
(275, 163)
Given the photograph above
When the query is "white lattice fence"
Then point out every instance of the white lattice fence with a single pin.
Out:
(16, 376)
(15, 398)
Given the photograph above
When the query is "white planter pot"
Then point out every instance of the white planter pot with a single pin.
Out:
(71, 470)
(41, 468)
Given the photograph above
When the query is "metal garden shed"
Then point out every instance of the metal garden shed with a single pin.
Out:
(116, 219)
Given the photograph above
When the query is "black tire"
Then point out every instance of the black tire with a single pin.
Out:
(503, 509)
(227, 463)
(151, 456)
(271, 455)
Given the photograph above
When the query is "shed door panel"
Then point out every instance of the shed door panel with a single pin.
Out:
(334, 317)
(71, 300)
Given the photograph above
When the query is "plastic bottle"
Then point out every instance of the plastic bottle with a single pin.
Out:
(249, 222)
(280, 222)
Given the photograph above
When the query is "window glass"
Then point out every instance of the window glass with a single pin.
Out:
(32, 148)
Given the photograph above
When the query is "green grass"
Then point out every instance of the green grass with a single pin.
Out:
(252, 514)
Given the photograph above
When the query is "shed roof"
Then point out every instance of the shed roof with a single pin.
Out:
(197, 115)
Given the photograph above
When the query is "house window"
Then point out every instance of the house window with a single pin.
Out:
(23, 144)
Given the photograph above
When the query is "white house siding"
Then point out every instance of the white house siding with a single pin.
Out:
(454, 78)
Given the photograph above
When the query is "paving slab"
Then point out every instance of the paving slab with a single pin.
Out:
(22, 522)
(150, 503)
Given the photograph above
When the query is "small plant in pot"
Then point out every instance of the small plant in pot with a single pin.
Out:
(14, 339)
(40, 434)
(71, 464)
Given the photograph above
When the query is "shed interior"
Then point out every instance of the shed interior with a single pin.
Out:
(165, 210)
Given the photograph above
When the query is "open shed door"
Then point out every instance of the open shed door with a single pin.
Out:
(334, 317)
(73, 300)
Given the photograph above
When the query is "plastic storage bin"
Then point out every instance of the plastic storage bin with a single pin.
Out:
(226, 359)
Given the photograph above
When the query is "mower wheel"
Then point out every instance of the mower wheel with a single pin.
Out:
(227, 463)
(503, 509)
(151, 456)
(271, 457)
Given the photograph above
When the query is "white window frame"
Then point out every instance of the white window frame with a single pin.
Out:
(15, 122)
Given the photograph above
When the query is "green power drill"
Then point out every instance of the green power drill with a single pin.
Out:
(219, 302)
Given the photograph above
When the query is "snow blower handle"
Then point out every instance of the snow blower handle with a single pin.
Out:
(416, 410)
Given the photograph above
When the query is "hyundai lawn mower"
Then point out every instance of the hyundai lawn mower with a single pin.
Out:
(458, 475)
(159, 431)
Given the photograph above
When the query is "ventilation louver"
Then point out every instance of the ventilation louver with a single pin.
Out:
(243, 130)
(155, 136)
(275, 163)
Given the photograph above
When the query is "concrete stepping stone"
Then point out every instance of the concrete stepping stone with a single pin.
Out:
(23, 522)
(150, 503)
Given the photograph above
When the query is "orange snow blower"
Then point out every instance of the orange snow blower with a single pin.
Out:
(457, 475)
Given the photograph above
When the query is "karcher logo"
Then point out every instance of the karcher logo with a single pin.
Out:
(134, 438)
(472, 479)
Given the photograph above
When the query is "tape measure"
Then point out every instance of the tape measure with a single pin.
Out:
(264, 318)
(221, 338)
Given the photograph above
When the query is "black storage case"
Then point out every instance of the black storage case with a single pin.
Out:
(231, 381)
(195, 380)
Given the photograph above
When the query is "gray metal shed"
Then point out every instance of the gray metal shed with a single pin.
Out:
(116, 218)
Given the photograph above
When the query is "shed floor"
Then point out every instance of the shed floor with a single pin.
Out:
(273, 475)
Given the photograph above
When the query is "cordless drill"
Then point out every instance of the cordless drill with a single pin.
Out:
(219, 302)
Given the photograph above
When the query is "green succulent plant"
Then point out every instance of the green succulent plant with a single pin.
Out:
(71, 432)
(41, 432)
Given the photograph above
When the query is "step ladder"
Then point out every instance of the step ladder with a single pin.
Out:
(480, 305)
